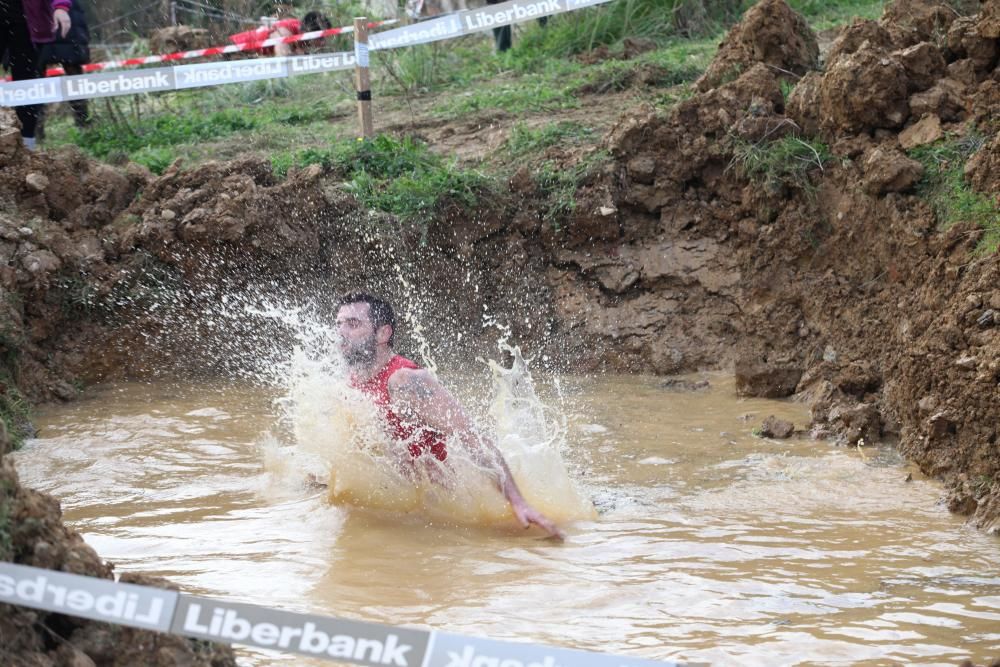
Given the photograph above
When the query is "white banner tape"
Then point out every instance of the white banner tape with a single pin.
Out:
(475, 20)
(340, 640)
(108, 84)
(89, 597)
(160, 79)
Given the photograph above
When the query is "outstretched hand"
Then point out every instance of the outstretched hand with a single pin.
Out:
(528, 515)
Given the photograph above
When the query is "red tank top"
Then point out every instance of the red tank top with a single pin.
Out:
(419, 438)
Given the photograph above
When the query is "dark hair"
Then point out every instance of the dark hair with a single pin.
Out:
(315, 21)
(380, 310)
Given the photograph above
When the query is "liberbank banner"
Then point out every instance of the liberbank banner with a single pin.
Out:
(162, 79)
(323, 637)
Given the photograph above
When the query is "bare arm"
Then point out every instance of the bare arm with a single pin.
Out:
(417, 395)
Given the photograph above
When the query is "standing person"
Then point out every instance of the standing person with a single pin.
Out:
(72, 51)
(503, 36)
(24, 25)
(417, 411)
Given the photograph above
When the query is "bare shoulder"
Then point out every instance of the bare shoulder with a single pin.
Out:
(413, 381)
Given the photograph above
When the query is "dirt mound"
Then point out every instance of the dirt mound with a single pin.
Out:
(772, 33)
(919, 60)
(910, 22)
(851, 38)
(841, 279)
(57, 243)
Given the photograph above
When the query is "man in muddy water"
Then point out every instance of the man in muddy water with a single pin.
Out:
(416, 409)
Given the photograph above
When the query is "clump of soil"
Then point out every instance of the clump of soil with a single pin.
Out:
(770, 33)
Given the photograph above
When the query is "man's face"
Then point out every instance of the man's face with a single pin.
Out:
(358, 340)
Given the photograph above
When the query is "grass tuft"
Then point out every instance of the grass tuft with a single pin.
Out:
(526, 141)
(943, 185)
(398, 176)
(783, 162)
(559, 184)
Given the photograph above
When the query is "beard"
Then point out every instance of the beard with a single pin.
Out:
(361, 353)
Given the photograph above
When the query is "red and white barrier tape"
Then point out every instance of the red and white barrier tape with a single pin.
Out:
(179, 77)
(218, 50)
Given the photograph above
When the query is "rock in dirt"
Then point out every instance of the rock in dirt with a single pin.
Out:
(803, 104)
(776, 428)
(924, 64)
(37, 182)
(989, 20)
(985, 102)
(770, 32)
(861, 421)
(888, 170)
(925, 131)
(863, 91)
(945, 99)
(966, 40)
(910, 22)
(11, 145)
(764, 380)
(853, 36)
(857, 379)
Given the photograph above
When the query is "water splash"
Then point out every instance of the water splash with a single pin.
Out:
(337, 429)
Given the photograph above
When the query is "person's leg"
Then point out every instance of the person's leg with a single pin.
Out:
(79, 107)
(501, 36)
(23, 66)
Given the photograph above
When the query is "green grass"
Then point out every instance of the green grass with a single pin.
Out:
(825, 14)
(107, 139)
(656, 21)
(515, 97)
(402, 177)
(439, 65)
(156, 130)
(528, 141)
(15, 410)
(539, 75)
(558, 184)
(943, 186)
(397, 176)
(783, 162)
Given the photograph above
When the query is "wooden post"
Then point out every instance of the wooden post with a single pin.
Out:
(362, 82)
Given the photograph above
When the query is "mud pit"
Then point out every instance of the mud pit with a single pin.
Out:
(712, 545)
(842, 288)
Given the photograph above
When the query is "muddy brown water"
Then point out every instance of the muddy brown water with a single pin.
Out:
(712, 545)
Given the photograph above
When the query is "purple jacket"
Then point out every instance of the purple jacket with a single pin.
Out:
(38, 14)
